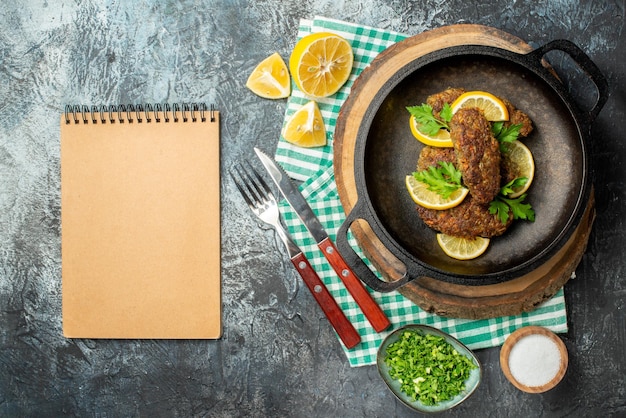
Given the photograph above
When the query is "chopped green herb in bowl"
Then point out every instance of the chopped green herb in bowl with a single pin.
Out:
(428, 370)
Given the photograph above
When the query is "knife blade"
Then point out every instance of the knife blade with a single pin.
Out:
(362, 297)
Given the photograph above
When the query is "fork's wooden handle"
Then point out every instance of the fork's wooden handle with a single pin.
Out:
(325, 300)
(362, 297)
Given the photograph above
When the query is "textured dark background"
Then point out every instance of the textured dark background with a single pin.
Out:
(278, 355)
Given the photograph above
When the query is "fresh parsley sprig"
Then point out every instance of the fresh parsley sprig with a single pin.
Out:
(505, 134)
(510, 187)
(443, 179)
(502, 205)
(427, 121)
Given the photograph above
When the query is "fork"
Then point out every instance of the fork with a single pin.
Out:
(263, 204)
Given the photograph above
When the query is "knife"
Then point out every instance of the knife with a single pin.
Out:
(362, 297)
(260, 199)
(325, 300)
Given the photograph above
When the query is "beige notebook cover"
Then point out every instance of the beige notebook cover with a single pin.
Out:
(140, 225)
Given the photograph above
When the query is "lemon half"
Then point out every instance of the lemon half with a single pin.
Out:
(321, 63)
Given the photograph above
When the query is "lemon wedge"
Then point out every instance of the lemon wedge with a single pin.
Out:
(493, 108)
(462, 248)
(321, 63)
(432, 200)
(305, 128)
(270, 79)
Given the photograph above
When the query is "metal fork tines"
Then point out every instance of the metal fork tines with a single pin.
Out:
(261, 200)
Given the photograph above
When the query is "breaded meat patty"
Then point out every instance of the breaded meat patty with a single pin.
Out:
(477, 153)
(468, 220)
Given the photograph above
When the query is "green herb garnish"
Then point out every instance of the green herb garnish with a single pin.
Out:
(428, 368)
(443, 179)
(427, 121)
(502, 205)
(510, 187)
(504, 134)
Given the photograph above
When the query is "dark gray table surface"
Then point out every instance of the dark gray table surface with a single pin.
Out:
(278, 355)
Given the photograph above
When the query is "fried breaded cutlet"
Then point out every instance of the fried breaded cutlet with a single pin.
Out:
(437, 100)
(449, 95)
(470, 219)
(517, 117)
(431, 156)
(477, 153)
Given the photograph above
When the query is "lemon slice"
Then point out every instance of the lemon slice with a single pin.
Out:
(441, 139)
(462, 248)
(270, 79)
(321, 63)
(522, 164)
(432, 200)
(493, 108)
(305, 128)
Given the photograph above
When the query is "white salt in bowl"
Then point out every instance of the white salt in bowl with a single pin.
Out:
(534, 359)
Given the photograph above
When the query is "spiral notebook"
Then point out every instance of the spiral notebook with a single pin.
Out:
(140, 222)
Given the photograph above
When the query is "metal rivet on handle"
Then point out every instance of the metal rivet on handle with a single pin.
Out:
(317, 288)
(345, 273)
(329, 249)
(302, 265)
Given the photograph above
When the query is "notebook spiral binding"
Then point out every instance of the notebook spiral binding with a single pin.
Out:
(140, 112)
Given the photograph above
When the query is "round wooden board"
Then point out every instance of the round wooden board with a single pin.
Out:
(513, 297)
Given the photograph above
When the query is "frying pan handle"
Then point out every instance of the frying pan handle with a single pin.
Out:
(585, 63)
(361, 270)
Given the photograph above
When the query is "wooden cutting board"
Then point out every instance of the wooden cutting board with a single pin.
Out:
(513, 297)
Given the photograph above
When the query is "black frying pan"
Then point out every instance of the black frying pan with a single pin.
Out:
(386, 152)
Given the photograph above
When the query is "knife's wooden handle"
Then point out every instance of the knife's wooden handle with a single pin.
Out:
(325, 300)
(362, 297)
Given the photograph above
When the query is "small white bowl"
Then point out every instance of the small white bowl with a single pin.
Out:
(530, 352)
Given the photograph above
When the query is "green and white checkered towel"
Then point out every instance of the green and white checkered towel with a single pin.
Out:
(314, 168)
